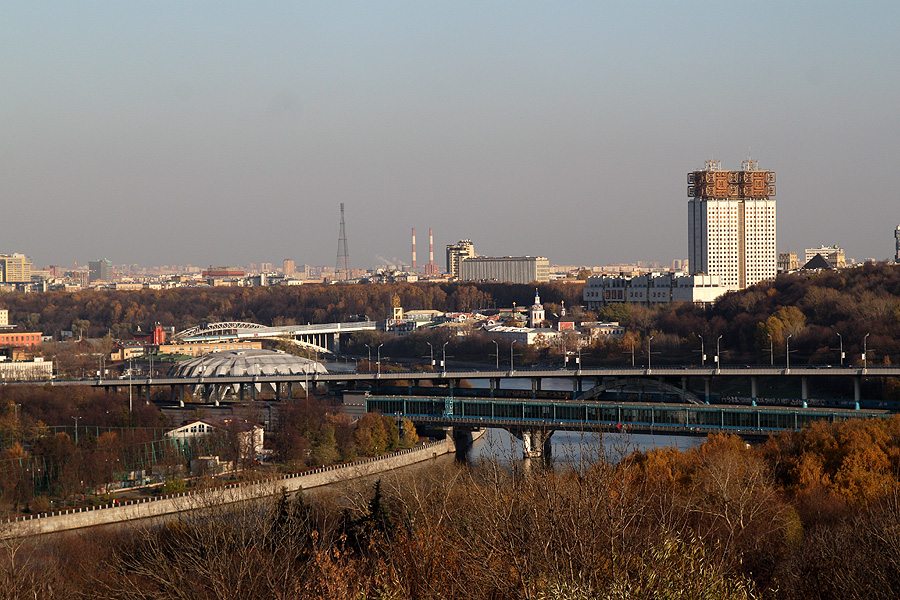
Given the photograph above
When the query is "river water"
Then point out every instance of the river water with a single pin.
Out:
(570, 447)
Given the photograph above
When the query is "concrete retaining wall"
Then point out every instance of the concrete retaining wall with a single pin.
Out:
(155, 507)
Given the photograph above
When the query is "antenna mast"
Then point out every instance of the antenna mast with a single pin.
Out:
(342, 267)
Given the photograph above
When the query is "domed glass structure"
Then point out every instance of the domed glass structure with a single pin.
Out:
(244, 363)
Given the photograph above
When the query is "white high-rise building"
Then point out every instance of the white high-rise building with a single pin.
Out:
(731, 224)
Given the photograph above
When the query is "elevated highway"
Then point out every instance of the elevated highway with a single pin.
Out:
(585, 383)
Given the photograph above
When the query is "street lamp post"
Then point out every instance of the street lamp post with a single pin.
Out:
(650, 339)
(130, 372)
(718, 363)
(379, 358)
(771, 350)
(841, 340)
(865, 349)
(76, 429)
(431, 354)
(444, 356)
(578, 360)
(511, 354)
(497, 353)
(787, 351)
(702, 351)
(370, 356)
(632, 353)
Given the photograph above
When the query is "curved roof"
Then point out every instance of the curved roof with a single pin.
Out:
(247, 362)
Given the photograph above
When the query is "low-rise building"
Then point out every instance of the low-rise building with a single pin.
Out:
(599, 330)
(26, 370)
(249, 436)
(512, 269)
(20, 339)
(833, 254)
(654, 288)
(787, 262)
(525, 335)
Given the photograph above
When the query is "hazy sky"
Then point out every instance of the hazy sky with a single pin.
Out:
(229, 133)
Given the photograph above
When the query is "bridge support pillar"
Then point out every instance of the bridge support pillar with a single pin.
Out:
(706, 386)
(684, 383)
(336, 342)
(804, 389)
(535, 443)
(754, 388)
(535, 386)
(147, 397)
(241, 393)
(183, 392)
(857, 391)
(462, 441)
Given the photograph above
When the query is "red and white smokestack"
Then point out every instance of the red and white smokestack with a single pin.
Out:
(430, 247)
(414, 248)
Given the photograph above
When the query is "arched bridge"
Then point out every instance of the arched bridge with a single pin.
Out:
(324, 337)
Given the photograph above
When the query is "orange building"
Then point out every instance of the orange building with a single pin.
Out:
(20, 339)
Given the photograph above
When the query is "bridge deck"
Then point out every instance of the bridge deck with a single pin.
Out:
(443, 376)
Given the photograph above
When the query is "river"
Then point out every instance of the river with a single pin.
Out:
(570, 447)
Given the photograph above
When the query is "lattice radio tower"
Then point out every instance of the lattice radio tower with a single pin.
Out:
(342, 268)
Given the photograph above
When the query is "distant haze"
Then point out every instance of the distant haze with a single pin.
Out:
(224, 133)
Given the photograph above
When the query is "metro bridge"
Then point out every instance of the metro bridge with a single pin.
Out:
(535, 421)
(324, 337)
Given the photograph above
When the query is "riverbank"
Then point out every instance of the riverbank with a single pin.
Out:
(166, 507)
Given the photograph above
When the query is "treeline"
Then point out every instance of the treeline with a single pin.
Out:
(811, 309)
(811, 515)
(313, 432)
(119, 313)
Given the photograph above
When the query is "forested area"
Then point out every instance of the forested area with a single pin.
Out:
(119, 313)
(43, 458)
(812, 514)
(811, 308)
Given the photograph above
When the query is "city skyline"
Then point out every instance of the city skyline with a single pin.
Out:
(209, 134)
